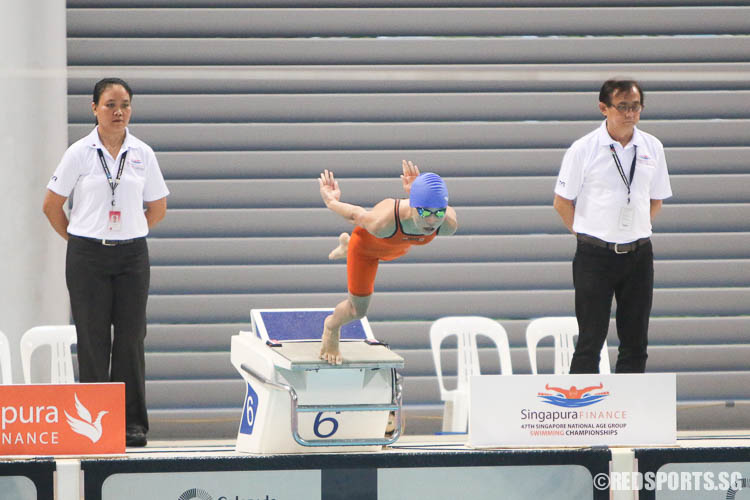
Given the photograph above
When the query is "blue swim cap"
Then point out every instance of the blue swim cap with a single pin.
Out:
(428, 191)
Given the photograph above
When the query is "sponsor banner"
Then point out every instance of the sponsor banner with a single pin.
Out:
(573, 410)
(511, 482)
(220, 485)
(62, 419)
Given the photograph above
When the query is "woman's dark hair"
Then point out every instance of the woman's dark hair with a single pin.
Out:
(102, 85)
(615, 85)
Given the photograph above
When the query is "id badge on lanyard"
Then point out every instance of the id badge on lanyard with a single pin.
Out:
(114, 220)
(626, 217)
(114, 224)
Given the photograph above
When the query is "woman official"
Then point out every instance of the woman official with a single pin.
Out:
(111, 176)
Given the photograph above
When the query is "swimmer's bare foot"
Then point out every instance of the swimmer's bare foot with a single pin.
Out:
(329, 345)
(340, 251)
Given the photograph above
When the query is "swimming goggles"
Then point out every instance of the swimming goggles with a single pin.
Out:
(423, 212)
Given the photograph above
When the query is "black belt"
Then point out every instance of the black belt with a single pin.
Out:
(618, 248)
(108, 243)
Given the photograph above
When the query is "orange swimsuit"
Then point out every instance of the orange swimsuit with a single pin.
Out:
(366, 250)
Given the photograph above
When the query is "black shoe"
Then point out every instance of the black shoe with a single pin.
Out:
(135, 437)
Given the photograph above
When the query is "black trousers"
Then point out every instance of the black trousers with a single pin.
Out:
(108, 288)
(598, 275)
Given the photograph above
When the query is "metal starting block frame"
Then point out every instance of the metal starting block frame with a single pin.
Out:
(330, 408)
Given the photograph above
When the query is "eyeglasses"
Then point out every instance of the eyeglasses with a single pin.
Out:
(624, 108)
(423, 212)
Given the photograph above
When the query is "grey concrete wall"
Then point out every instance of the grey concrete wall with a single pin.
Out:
(33, 136)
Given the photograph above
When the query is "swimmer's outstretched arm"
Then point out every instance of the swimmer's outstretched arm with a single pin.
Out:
(378, 221)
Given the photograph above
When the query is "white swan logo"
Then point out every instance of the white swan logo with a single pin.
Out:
(84, 424)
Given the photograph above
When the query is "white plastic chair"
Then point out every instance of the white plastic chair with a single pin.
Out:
(466, 329)
(563, 329)
(5, 369)
(59, 338)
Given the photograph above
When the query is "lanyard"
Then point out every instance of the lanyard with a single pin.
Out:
(113, 183)
(627, 182)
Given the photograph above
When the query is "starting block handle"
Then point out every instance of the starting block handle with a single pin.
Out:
(395, 406)
(276, 385)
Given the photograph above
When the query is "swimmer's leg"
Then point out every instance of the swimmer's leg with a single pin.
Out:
(340, 251)
(354, 307)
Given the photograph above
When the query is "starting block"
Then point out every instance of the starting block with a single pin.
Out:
(296, 402)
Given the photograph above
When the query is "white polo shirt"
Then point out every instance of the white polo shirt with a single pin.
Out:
(590, 176)
(80, 172)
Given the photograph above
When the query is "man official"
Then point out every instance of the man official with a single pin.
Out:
(611, 185)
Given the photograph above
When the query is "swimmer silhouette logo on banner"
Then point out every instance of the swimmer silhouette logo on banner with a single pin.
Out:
(573, 397)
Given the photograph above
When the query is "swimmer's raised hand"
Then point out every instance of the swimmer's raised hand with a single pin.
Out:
(329, 187)
(409, 175)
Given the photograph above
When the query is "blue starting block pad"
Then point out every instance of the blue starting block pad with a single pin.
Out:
(300, 325)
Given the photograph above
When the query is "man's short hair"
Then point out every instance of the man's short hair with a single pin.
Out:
(617, 85)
